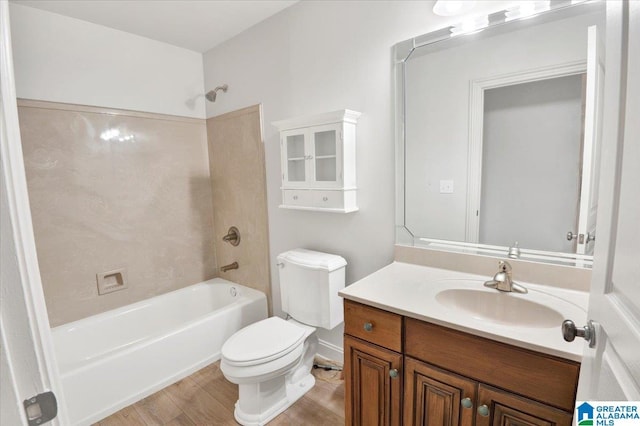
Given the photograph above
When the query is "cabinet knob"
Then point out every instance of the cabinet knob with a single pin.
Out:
(368, 326)
(483, 410)
(295, 197)
(393, 373)
(325, 198)
(466, 403)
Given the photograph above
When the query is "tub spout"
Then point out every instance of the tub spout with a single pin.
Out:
(229, 267)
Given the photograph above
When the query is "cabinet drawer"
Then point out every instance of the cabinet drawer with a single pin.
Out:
(543, 378)
(295, 197)
(373, 325)
(328, 199)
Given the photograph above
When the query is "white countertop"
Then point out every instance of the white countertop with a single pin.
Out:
(411, 290)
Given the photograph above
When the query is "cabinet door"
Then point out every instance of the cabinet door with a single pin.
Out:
(373, 384)
(295, 156)
(437, 397)
(326, 155)
(499, 408)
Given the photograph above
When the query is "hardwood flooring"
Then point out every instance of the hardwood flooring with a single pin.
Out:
(207, 398)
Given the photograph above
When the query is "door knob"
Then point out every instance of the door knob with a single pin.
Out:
(571, 236)
(393, 373)
(570, 331)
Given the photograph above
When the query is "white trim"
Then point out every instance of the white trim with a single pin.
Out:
(330, 351)
(22, 228)
(476, 120)
(343, 115)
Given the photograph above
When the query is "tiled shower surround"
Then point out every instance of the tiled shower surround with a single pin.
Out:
(117, 190)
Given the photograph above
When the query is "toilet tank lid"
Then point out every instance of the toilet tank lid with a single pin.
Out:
(313, 259)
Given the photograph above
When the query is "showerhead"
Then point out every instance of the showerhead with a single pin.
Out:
(211, 95)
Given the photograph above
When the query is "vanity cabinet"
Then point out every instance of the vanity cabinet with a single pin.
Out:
(373, 366)
(451, 377)
(318, 162)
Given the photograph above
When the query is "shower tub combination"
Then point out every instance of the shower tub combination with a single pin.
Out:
(111, 360)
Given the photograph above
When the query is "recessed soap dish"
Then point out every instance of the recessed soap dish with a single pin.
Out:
(111, 281)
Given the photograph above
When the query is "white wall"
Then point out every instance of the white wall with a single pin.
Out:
(317, 57)
(62, 59)
(438, 112)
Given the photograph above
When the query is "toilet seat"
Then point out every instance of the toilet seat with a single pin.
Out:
(261, 342)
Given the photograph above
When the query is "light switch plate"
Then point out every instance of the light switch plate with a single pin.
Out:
(446, 187)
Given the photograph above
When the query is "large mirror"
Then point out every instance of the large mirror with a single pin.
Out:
(498, 134)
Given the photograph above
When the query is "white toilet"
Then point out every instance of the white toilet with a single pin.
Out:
(271, 360)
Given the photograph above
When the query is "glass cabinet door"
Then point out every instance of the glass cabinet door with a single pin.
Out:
(296, 158)
(326, 151)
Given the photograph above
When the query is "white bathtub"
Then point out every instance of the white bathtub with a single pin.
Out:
(113, 359)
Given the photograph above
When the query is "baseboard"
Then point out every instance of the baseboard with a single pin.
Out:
(330, 351)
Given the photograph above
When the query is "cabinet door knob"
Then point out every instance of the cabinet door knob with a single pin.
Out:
(368, 326)
(325, 198)
(295, 197)
(483, 410)
(393, 373)
(466, 403)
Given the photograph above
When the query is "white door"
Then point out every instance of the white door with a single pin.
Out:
(592, 142)
(611, 370)
(27, 363)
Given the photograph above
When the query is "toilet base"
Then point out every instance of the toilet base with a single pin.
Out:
(270, 393)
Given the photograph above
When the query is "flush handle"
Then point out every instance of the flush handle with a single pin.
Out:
(466, 403)
(570, 332)
(368, 326)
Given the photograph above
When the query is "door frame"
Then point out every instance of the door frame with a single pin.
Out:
(476, 128)
(24, 310)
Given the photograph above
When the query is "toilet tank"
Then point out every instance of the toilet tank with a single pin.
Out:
(309, 285)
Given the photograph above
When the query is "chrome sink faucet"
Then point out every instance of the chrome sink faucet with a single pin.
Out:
(503, 281)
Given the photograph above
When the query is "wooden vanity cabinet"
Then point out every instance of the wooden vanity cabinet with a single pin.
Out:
(373, 366)
(374, 396)
(450, 377)
(436, 397)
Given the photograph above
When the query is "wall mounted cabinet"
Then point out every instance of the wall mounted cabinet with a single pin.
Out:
(318, 160)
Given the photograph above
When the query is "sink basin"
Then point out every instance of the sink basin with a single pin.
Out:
(501, 308)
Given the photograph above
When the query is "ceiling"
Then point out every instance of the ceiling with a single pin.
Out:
(197, 25)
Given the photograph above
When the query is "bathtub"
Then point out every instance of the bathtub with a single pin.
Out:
(115, 358)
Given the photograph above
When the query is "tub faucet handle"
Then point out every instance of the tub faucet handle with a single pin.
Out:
(233, 236)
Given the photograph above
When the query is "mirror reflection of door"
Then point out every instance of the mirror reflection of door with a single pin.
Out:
(531, 163)
(540, 153)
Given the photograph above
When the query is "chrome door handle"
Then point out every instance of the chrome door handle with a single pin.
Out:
(588, 332)
(571, 236)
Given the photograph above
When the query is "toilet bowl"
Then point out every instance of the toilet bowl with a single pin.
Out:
(271, 360)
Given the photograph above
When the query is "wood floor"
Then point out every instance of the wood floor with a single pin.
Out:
(207, 398)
